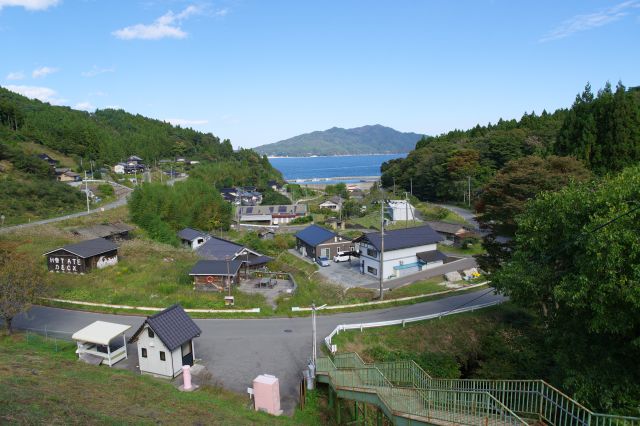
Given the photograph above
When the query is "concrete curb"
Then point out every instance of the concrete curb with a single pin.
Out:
(147, 308)
(401, 299)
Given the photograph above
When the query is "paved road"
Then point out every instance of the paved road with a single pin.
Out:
(466, 214)
(120, 202)
(236, 350)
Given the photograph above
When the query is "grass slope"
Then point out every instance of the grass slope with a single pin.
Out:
(42, 385)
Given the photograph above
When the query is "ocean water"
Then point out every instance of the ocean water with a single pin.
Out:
(348, 168)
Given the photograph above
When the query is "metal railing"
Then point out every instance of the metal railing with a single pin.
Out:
(504, 401)
(473, 408)
(362, 326)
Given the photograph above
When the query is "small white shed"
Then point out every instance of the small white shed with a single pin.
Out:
(102, 342)
(165, 342)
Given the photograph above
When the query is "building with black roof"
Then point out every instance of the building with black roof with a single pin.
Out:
(83, 256)
(406, 251)
(165, 342)
(193, 238)
(215, 275)
(271, 214)
(315, 241)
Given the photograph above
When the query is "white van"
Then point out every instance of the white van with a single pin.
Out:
(342, 256)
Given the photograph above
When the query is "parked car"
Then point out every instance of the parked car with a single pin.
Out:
(342, 256)
(322, 261)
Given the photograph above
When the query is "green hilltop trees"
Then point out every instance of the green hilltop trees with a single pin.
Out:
(576, 261)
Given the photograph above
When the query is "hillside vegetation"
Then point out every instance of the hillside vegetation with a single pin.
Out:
(78, 138)
(375, 139)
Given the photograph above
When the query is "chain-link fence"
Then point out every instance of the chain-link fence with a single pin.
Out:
(55, 340)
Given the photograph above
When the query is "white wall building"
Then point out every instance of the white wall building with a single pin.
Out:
(400, 210)
(165, 342)
(406, 251)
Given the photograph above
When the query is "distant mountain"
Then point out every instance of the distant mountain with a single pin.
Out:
(374, 139)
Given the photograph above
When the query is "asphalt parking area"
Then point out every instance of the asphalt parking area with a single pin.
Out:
(346, 274)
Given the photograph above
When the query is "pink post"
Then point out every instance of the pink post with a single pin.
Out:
(186, 376)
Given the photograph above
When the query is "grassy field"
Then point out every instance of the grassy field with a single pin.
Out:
(39, 385)
(496, 342)
(472, 250)
(431, 285)
(433, 212)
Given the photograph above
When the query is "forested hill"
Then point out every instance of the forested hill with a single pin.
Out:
(374, 139)
(601, 130)
(106, 136)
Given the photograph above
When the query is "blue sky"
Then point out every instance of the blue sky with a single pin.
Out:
(259, 71)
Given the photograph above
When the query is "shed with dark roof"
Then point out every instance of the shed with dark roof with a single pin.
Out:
(215, 275)
(83, 256)
(315, 241)
(165, 342)
(193, 238)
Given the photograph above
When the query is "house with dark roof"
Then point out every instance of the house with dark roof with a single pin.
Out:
(216, 248)
(165, 342)
(315, 241)
(193, 238)
(406, 251)
(271, 215)
(452, 232)
(52, 162)
(215, 275)
(109, 231)
(83, 256)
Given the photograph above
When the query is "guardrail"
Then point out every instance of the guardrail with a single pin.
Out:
(342, 327)
(149, 308)
(387, 301)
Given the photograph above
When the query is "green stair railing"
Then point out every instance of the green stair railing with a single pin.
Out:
(532, 399)
(441, 406)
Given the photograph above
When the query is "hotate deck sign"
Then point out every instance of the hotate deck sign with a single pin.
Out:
(62, 263)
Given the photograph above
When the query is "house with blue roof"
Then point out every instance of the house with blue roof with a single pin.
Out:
(406, 251)
(315, 241)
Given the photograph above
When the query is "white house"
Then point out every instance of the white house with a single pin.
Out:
(406, 251)
(193, 238)
(400, 210)
(165, 342)
(119, 168)
(334, 203)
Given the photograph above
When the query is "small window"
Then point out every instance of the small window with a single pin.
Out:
(144, 352)
(162, 357)
(151, 333)
(372, 270)
(372, 252)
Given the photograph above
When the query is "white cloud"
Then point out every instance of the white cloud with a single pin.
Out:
(85, 106)
(186, 122)
(221, 12)
(44, 94)
(43, 72)
(97, 71)
(29, 4)
(590, 21)
(168, 25)
(15, 76)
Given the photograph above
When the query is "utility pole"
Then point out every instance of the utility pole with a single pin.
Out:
(411, 186)
(381, 245)
(406, 210)
(313, 333)
(228, 273)
(469, 197)
(86, 189)
(394, 186)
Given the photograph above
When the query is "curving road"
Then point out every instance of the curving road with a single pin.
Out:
(237, 350)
